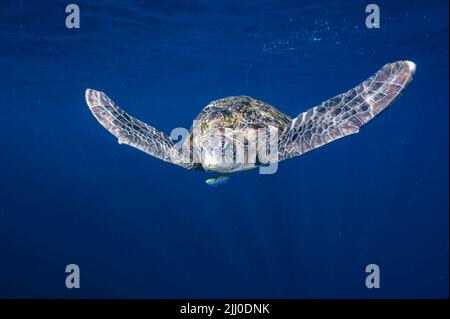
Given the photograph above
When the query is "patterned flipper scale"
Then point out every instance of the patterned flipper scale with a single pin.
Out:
(130, 130)
(344, 114)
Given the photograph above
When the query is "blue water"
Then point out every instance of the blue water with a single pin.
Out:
(139, 227)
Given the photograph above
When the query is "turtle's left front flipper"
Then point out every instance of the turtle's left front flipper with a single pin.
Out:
(344, 114)
(130, 130)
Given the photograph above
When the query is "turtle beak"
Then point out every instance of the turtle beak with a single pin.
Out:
(207, 167)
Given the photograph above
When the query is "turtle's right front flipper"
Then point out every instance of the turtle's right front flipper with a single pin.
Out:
(130, 130)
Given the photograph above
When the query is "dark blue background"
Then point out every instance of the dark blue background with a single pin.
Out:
(139, 227)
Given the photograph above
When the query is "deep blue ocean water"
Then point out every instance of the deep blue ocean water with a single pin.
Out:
(140, 227)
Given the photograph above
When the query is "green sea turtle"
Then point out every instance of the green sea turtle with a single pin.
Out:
(227, 125)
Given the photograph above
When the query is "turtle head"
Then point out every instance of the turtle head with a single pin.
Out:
(216, 152)
(213, 159)
(221, 160)
(220, 150)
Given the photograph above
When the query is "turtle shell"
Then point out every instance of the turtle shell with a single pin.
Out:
(240, 112)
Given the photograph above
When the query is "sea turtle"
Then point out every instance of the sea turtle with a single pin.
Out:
(233, 119)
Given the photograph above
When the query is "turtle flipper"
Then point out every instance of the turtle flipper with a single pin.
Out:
(130, 130)
(345, 113)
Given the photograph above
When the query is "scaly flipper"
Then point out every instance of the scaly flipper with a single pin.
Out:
(344, 114)
(130, 130)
